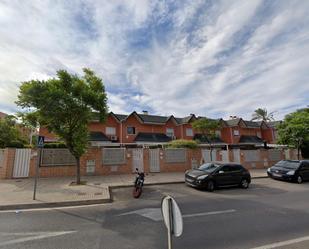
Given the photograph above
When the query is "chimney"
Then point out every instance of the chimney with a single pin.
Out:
(145, 112)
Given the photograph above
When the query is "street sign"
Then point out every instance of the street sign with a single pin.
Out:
(172, 218)
(40, 141)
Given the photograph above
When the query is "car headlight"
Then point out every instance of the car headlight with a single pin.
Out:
(291, 172)
(268, 170)
(202, 177)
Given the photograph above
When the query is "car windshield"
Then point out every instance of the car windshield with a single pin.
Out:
(288, 164)
(209, 167)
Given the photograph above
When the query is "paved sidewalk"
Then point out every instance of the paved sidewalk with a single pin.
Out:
(53, 192)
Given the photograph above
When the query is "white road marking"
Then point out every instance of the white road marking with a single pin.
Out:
(32, 236)
(209, 213)
(283, 243)
(51, 208)
(150, 213)
(156, 215)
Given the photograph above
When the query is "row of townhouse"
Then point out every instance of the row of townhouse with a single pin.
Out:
(143, 128)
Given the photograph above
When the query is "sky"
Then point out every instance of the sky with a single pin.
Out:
(212, 58)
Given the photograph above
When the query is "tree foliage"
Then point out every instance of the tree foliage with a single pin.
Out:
(206, 126)
(263, 115)
(294, 130)
(64, 105)
(9, 133)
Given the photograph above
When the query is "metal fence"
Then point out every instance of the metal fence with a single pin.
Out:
(274, 155)
(113, 156)
(57, 157)
(175, 155)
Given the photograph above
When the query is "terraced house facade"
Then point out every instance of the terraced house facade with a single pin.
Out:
(144, 129)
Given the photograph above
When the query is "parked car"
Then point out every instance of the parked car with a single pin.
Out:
(212, 175)
(290, 170)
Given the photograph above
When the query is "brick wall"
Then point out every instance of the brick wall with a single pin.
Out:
(193, 158)
(6, 168)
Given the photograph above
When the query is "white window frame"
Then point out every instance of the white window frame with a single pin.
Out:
(236, 132)
(134, 130)
(189, 132)
(110, 131)
(170, 132)
(259, 134)
(218, 133)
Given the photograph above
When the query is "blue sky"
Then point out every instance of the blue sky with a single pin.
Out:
(211, 58)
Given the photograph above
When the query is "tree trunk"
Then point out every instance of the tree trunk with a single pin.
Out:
(77, 170)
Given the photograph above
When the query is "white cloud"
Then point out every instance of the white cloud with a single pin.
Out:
(219, 59)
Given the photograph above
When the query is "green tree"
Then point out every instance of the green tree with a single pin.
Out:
(294, 130)
(262, 114)
(29, 121)
(9, 133)
(64, 105)
(208, 128)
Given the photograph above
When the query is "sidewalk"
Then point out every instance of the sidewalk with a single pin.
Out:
(55, 192)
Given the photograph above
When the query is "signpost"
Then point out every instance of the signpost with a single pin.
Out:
(40, 145)
(172, 218)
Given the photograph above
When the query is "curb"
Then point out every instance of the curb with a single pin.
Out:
(87, 202)
(54, 204)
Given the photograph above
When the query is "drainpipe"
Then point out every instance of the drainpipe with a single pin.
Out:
(120, 133)
(231, 132)
(181, 131)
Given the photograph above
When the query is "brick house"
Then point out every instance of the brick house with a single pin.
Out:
(143, 128)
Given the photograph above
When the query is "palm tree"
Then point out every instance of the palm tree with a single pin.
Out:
(262, 114)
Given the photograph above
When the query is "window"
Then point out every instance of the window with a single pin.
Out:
(169, 132)
(110, 131)
(218, 133)
(236, 132)
(236, 168)
(189, 132)
(131, 130)
(258, 134)
(225, 169)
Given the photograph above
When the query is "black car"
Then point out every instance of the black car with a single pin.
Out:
(212, 175)
(290, 170)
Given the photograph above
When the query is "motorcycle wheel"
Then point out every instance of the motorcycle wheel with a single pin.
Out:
(137, 191)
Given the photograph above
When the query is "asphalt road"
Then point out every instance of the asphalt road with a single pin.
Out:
(270, 213)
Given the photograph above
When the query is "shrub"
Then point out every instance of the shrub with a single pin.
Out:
(182, 143)
(55, 145)
(16, 144)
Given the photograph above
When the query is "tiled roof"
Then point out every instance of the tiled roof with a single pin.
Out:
(273, 123)
(98, 136)
(204, 139)
(121, 116)
(250, 140)
(146, 118)
(252, 124)
(232, 122)
(3, 115)
(152, 137)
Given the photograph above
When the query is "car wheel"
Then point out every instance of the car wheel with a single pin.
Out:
(210, 186)
(244, 183)
(299, 179)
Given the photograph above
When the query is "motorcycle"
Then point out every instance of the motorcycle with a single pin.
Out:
(138, 184)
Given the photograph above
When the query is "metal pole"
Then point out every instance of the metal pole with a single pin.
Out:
(170, 222)
(37, 172)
